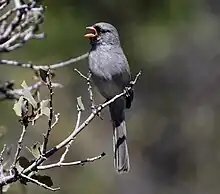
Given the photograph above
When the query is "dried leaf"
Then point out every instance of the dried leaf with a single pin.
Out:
(18, 106)
(44, 109)
(80, 103)
(35, 150)
(27, 95)
(56, 85)
(43, 74)
(23, 162)
(5, 188)
(44, 179)
(19, 168)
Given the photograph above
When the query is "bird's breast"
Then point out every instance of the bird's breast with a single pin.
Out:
(109, 71)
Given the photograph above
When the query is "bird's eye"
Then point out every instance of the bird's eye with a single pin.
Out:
(105, 30)
(101, 30)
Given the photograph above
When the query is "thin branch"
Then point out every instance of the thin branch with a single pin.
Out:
(8, 179)
(37, 67)
(19, 146)
(46, 136)
(11, 11)
(22, 27)
(88, 81)
(62, 164)
(17, 3)
(25, 39)
(1, 154)
(65, 63)
(4, 4)
(83, 76)
(57, 116)
(7, 91)
(62, 158)
(38, 183)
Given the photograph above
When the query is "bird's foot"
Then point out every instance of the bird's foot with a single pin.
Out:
(95, 110)
(127, 92)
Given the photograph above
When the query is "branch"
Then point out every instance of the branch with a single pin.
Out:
(38, 183)
(37, 67)
(1, 154)
(7, 91)
(46, 136)
(88, 81)
(70, 143)
(62, 164)
(22, 27)
(19, 146)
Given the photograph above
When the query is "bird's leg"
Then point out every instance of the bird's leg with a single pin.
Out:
(129, 95)
(127, 92)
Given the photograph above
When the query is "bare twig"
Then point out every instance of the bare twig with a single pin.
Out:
(19, 146)
(38, 183)
(62, 158)
(57, 116)
(4, 4)
(7, 91)
(1, 154)
(37, 67)
(46, 136)
(88, 81)
(83, 76)
(22, 27)
(11, 11)
(61, 164)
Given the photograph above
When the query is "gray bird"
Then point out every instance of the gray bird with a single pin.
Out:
(111, 74)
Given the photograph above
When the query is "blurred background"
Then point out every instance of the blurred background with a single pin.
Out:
(174, 123)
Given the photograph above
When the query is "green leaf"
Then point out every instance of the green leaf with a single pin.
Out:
(18, 106)
(35, 150)
(23, 162)
(27, 95)
(44, 179)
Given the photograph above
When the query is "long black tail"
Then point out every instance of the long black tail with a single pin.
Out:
(120, 148)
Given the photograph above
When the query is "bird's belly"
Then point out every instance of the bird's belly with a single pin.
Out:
(107, 88)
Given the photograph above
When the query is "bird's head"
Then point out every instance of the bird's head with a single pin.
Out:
(103, 33)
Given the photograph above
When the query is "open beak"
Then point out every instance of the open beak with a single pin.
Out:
(92, 33)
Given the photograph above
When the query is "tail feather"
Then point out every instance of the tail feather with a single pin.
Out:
(120, 148)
